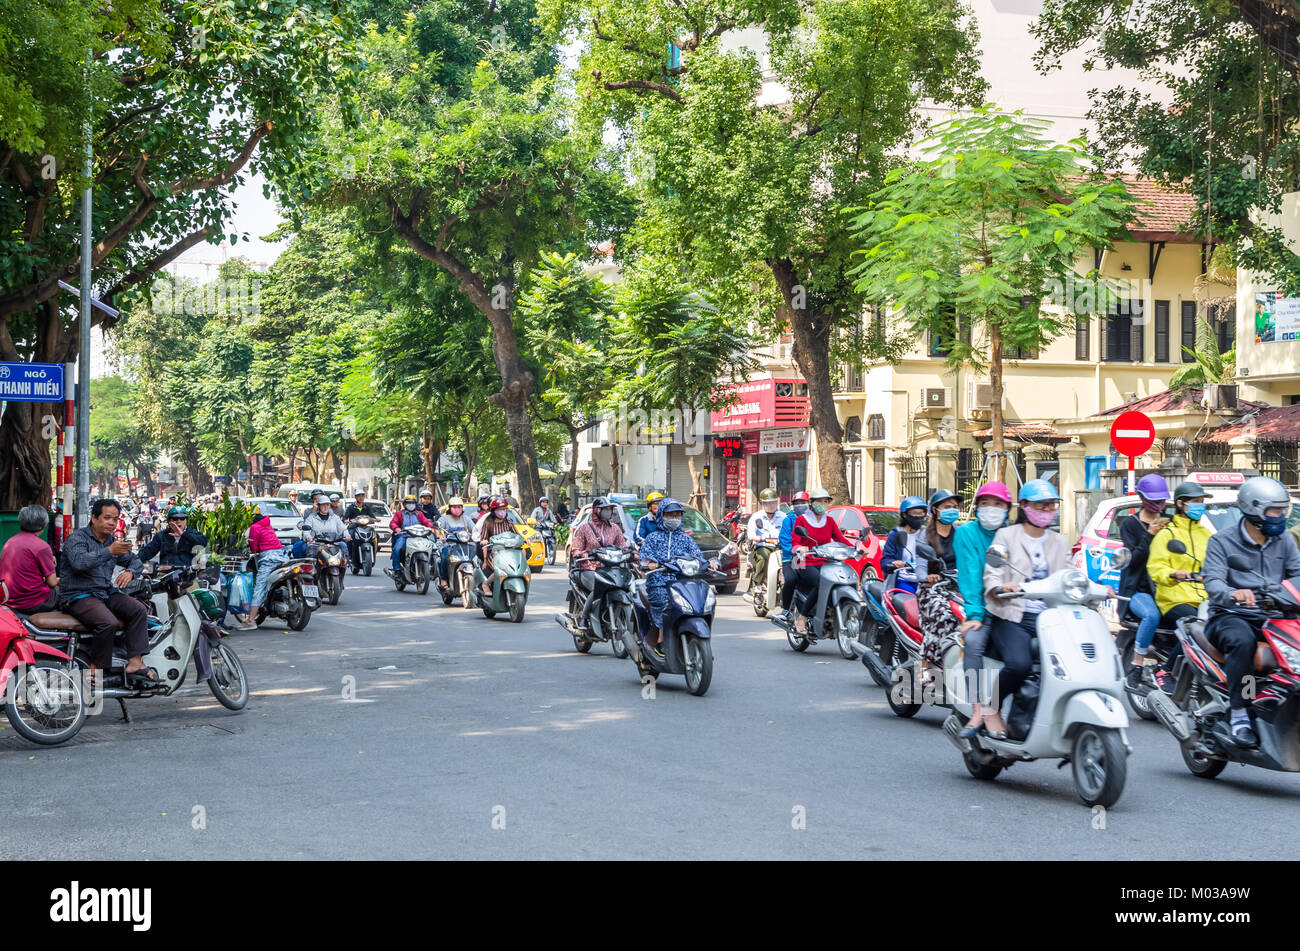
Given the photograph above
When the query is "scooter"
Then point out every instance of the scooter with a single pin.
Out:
(291, 594)
(605, 612)
(510, 578)
(43, 692)
(366, 542)
(331, 561)
(688, 623)
(456, 577)
(875, 630)
(1197, 712)
(765, 592)
(547, 531)
(838, 610)
(416, 568)
(1079, 716)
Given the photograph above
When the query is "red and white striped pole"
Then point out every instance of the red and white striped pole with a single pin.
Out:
(66, 439)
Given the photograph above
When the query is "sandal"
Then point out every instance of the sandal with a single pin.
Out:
(146, 674)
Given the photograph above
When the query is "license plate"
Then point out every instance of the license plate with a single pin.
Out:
(310, 591)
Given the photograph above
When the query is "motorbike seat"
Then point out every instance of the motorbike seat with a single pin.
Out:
(1197, 630)
(876, 589)
(58, 621)
(905, 604)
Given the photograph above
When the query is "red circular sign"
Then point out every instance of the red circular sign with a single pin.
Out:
(1132, 433)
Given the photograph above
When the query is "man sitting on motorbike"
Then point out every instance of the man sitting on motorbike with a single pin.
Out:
(174, 548)
(1175, 595)
(356, 508)
(453, 520)
(648, 522)
(789, 576)
(496, 522)
(405, 517)
(819, 529)
(543, 514)
(1235, 616)
(428, 507)
(764, 532)
(662, 548)
(321, 520)
(600, 531)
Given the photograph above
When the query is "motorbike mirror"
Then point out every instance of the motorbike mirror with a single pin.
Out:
(925, 551)
(1177, 547)
(1241, 563)
(996, 556)
(800, 531)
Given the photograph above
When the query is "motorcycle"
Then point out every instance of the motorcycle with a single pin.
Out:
(547, 531)
(291, 594)
(456, 577)
(765, 592)
(43, 694)
(688, 623)
(1078, 716)
(175, 633)
(366, 542)
(1197, 712)
(416, 568)
(837, 611)
(510, 578)
(145, 526)
(605, 612)
(331, 561)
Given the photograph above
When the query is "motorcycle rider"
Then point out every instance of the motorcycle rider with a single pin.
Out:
(409, 514)
(562, 510)
(1136, 532)
(798, 505)
(543, 514)
(664, 547)
(336, 504)
(763, 530)
(648, 522)
(1175, 595)
(1235, 617)
(939, 625)
(454, 519)
(428, 507)
(174, 548)
(900, 546)
(483, 500)
(356, 508)
(820, 529)
(267, 553)
(496, 522)
(970, 543)
(600, 531)
(321, 520)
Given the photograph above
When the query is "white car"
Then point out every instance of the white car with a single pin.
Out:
(284, 517)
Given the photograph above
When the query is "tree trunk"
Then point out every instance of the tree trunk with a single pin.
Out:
(199, 479)
(613, 467)
(26, 474)
(995, 382)
(811, 352)
(573, 457)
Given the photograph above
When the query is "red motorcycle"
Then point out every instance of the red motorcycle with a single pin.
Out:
(735, 521)
(43, 692)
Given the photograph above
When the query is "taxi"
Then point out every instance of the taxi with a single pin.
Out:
(534, 543)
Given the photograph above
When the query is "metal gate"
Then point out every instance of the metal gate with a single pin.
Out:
(970, 463)
(915, 475)
(1209, 455)
(1279, 459)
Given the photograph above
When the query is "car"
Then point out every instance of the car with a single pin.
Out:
(713, 544)
(534, 544)
(284, 516)
(882, 518)
(382, 515)
(856, 521)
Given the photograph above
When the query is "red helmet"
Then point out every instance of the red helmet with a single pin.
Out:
(496, 502)
(800, 497)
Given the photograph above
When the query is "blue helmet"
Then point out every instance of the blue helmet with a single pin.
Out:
(1039, 490)
(943, 495)
(911, 502)
(668, 506)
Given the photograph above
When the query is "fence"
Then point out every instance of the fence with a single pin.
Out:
(1209, 455)
(914, 474)
(1279, 459)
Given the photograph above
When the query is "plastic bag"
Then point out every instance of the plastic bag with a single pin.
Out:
(239, 592)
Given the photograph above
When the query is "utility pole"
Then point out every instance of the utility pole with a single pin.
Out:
(83, 358)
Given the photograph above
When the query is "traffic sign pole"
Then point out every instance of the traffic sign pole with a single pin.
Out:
(1132, 434)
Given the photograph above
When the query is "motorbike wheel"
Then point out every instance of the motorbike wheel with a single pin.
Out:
(367, 562)
(336, 589)
(616, 642)
(399, 579)
(847, 633)
(228, 682)
(1200, 765)
(726, 588)
(1137, 700)
(550, 552)
(870, 639)
(446, 596)
(1099, 765)
(798, 641)
(421, 578)
(466, 586)
(488, 612)
(900, 708)
(517, 604)
(699, 664)
(300, 616)
(980, 770)
(47, 705)
(760, 600)
(581, 644)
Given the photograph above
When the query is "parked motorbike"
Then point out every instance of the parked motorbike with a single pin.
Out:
(837, 611)
(43, 694)
(605, 612)
(688, 625)
(1197, 712)
(765, 591)
(366, 543)
(510, 578)
(1078, 716)
(456, 578)
(331, 560)
(416, 568)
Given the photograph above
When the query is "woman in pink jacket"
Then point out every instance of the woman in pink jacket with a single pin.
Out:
(268, 553)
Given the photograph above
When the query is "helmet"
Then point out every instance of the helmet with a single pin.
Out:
(358, 492)
(320, 497)
(943, 495)
(768, 495)
(668, 506)
(1153, 488)
(1187, 490)
(426, 492)
(455, 500)
(654, 496)
(178, 511)
(1039, 490)
(542, 499)
(911, 502)
(407, 498)
(334, 497)
(1256, 496)
(496, 502)
(800, 497)
(820, 493)
(994, 490)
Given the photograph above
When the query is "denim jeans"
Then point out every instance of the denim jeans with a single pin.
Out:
(399, 546)
(1143, 607)
(266, 560)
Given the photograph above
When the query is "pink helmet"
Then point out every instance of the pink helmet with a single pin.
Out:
(996, 490)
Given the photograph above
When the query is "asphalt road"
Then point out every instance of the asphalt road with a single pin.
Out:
(470, 738)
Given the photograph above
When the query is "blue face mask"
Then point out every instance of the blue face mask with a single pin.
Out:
(1195, 510)
(1274, 525)
(948, 516)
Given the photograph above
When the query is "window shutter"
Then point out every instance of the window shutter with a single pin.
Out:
(1227, 330)
(1137, 332)
(1189, 330)
(1162, 331)
(1082, 326)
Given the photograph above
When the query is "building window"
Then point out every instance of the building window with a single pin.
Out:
(875, 427)
(1225, 330)
(1124, 334)
(853, 429)
(1189, 330)
(1082, 330)
(1162, 331)
(944, 333)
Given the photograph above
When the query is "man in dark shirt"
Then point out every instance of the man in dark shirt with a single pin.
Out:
(174, 546)
(562, 510)
(427, 506)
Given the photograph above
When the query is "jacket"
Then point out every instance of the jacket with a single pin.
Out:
(645, 526)
(664, 548)
(171, 551)
(1162, 563)
(1275, 560)
(969, 543)
(431, 512)
(825, 533)
(764, 527)
(895, 549)
(398, 520)
(86, 566)
(1134, 578)
(329, 525)
(786, 538)
(943, 547)
(1055, 548)
(592, 535)
(261, 536)
(448, 523)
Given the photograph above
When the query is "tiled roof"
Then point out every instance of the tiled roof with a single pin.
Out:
(1185, 397)
(1271, 422)
(1026, 432)
(1160, 209)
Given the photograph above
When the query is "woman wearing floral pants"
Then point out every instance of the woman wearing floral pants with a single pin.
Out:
(939, 624)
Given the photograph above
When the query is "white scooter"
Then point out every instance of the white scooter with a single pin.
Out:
(1079, 717)
(765, 593)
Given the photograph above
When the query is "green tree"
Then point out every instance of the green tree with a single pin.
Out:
(966, 238)
(1208, 364)
(118, 439)
(742, 186)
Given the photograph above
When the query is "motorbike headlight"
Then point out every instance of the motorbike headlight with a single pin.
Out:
(1058, 669)
(1076, 586)
(680, 600)
(710, 601)
(334, 559)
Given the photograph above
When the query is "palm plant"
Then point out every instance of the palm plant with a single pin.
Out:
(1209, 365)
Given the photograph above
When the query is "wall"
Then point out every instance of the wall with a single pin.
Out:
(1274, 367)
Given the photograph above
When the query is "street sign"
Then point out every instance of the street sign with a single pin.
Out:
(31, 382)
(1132, 434)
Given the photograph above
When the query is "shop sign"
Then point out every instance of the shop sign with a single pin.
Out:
(783, 440)
(735, 486)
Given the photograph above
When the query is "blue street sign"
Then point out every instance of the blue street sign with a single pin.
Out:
(31, 382)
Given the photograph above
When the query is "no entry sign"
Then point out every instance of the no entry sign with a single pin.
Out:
(1132, 434)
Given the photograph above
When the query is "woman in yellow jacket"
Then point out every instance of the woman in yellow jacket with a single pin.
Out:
(1177, 596)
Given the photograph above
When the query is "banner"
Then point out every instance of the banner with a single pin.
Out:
(735, 486)
(1276, 318)
(783, 440)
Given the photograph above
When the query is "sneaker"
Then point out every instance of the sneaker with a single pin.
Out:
(1133, 679)
(1164, 681)
(780, 616)
(1244, 734)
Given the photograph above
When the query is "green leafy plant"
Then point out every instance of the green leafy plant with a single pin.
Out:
(1209, 365)
(226, 526)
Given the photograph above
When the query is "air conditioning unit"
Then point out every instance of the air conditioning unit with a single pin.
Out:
(1219, 396)
(936, 397)
(980, 397)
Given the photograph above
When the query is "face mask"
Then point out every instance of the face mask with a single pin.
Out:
(672, 524)
(914, 521)
(818, 508)
(455, 511)
(1274, 525)
(1194, 510)
(410, 507)
(1153, 506)
(799, 508)
(991, 517)
(1040, 519)
(948, 516)
(607, 514)
(769, 508)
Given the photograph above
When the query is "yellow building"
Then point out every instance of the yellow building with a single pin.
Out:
(1268, 340)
